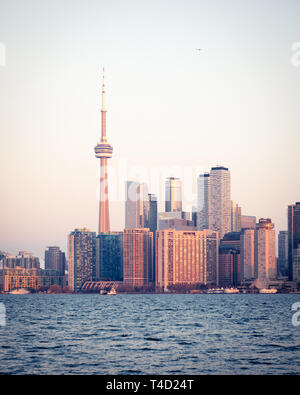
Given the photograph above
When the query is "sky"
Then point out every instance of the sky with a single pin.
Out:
(172, 110)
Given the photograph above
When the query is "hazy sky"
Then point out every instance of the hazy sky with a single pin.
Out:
(172, 110)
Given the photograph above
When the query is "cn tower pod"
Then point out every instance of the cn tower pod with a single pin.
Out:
(103, 150)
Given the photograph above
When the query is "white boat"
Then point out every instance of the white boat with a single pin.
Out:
(268, 291)
(215, 291)
(232, 291)
(20, 291)
(112, 292)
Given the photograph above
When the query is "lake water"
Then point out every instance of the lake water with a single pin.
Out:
(149, 334)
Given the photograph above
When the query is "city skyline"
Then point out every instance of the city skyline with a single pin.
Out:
(163, 100)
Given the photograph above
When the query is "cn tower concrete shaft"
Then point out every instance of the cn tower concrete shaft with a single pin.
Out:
(103, 151)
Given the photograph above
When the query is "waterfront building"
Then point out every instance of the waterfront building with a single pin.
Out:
(293, 234)
(229, 260)
(186, 257)
(220, 192)
(109, 265)
(173, 194)
(29, 278)
(138, 268)
(81, 258)
(265, 268)
(55, 260)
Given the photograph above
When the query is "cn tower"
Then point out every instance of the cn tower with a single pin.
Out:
(103, 151)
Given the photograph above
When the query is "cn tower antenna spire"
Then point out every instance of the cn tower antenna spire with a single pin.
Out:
(103, 151)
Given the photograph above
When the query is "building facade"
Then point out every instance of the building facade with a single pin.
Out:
(220, 190)
(137, 205)
(247, 254)
(203, 201)
(293, 234)
(265, 267)
(229, 260)
(236, 216)
(283, 253)
(248, 222)
(186, 257)
(109, 264)
(173, 194)
(24, 260)
(34, 279)
(55, 260)
(137, 257)
(81, 258)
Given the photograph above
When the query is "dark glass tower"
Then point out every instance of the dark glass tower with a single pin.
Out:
(293, 233)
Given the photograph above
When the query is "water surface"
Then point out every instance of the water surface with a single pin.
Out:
(149, 334)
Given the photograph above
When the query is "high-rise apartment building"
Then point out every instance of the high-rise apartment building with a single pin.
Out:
(186, 257)
(247, 254)
(24, 260)
(55, 260)
(137, 257)
(265, 267)
(283, 254)
(173, 194)
(203, 201)
(236, 214)
(81, 258)
(109, 264)
(220, 200)
(293, 234)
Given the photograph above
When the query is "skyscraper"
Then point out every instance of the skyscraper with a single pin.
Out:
(283, 254)
(173, 194)
(81, 258)
(151, 214)
(55, 260)
(220, 200)
(236, 214)
(293, 233)
(137, 205)
(204, 201)
(265, 268)
(103, 151)
(186, 257)
(137, 257)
